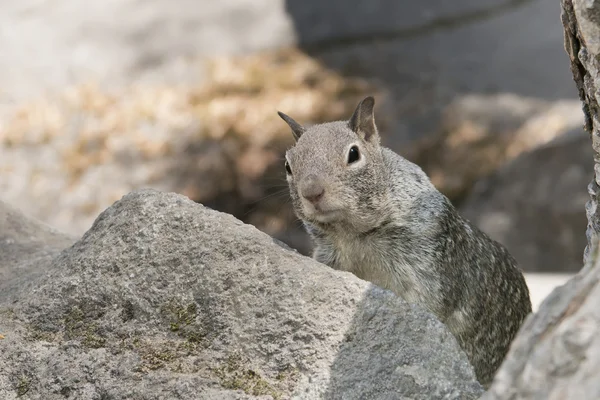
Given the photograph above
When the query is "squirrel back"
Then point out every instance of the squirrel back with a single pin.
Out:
(371, 212)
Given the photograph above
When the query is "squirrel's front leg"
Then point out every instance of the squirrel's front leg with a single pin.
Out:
(321, 255)
(325, 255)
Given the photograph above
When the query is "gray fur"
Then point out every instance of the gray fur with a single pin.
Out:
(383, 220)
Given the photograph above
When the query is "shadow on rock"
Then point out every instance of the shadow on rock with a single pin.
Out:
(27, 247)
(403, 368)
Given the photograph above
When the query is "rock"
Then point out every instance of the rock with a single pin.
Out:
(556, 354)
(535, 205)
(165, 298)
(479, 134)
(581, 24)
(27, 247)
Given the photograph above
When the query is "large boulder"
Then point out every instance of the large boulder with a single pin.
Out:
(27, 247)
(556, 354)
(535, 205)
(165, 298)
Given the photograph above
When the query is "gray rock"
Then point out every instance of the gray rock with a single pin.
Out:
(581, 22)
(557, 352)
(165, 298)
(535, 205)
(27, 247)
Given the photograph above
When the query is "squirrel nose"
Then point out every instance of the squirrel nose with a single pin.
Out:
(312, 190)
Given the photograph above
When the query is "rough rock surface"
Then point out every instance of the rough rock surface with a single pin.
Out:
(165, 298)
(535, 205)
(581, 22)
(27, 246)
(557, 352)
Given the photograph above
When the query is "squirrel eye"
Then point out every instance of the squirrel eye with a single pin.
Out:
(353, 155)
(287, 168)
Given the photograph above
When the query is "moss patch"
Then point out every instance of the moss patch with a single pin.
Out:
(23, 385)
(183, 319)
(78, 327)
(169, 354)
(79, 323)
(155, 357)
(181, 316)
(234, 374)
(7, 312)
(35, 334)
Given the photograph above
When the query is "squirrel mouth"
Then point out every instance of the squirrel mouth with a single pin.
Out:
(325, 216)
(321, 212)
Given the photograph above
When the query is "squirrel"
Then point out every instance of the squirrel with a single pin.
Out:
(371, 212)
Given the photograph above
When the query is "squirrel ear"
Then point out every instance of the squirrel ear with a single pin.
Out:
(362, 121)
(297, 129)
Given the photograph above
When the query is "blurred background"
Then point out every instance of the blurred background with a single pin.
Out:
(100, 98)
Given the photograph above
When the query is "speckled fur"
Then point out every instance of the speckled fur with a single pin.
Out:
(391, 227)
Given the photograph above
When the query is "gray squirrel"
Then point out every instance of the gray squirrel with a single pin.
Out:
(371, 212)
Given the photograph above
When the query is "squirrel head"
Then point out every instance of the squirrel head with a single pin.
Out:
(336, 172)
